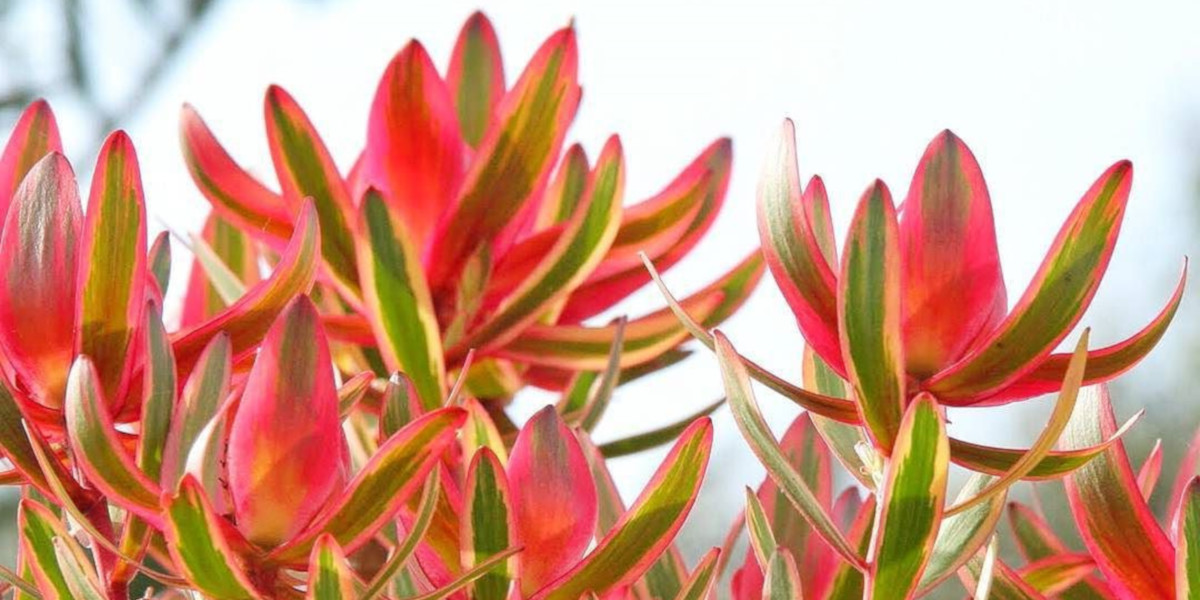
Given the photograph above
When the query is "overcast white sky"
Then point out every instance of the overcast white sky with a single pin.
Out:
(1047, 94)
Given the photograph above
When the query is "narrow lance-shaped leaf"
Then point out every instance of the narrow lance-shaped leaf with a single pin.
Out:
(754, 428)
(33, 137)
(39, 252)
(647, 528)
(758, 525)
(306, 170)
(1103, 364)
(38, 529)
(911, 500)
(790, 244)
(514, 158)
(565, 190)
(196, 539)
(1055, 300)
(488, 527)
(425, 511)
(869, 315)
(1114, 521)
(476, 77)
(666, 227)
(397, 296)
(233, 193)
(703, 579)
(414, 147)
(158, 260)
(112, 285)
(553, 499)
(202, 395)
(1147, 476)
(655, 437)
(98, 449)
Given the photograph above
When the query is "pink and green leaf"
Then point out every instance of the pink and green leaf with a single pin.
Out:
(553, 499)
(202, 396)
(953, 286)
(782, 581)
(476, 78)
(1064, 407)
(158, 261)
(33, 137)
(513, 160)
(703, 579)
(911, 501)
(285, 441)
(112, 286)
(233, 193)
(1102, 364)
(1116, 524)
(1053, 576)
(424, 514)
(398, 300)
(655, 437)
(236, 254)
(762, 442)
(39, 528)
(1053, 303)
(198, 545)
(306, 170)
(648, 528)
(98, 449)
(1147, 476)
(415, 151)
(566, 189)
(158, 394)
(382, 487)
(488, 524)
(870, 316)
(330, 576)
(39, 255)
(790, 241)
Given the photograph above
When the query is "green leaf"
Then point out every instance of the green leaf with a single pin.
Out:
(841, 438)
(655, 437)
(754, 428)
(159, 261)
(487, 524)
(470, 575)
(158, 394)
(869, 315)
(329, 575)
(911, 501)
(77, 570)
(38, 528)
(202, 396)
(398, 300)
(224, 281)
(602, 390)
(98, 449)
(762, 539)
(703, 579)
(781, 581)
(196, 539)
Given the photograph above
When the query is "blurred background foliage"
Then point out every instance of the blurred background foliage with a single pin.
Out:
(108, 64)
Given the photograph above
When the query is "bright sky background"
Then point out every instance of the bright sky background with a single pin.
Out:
(1047, 94)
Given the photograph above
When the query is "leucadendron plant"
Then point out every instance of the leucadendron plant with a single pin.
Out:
(913, 318)
(463, 227)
